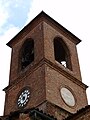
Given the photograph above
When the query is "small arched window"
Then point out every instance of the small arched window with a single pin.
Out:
(61, 52)
(27, 55)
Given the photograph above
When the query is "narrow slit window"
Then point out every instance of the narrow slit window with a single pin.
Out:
(27, 53)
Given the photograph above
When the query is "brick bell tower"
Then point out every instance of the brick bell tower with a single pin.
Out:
(45, 75)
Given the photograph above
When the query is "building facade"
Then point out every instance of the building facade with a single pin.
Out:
(45, 81)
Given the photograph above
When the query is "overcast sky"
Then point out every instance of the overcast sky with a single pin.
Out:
(74, 15)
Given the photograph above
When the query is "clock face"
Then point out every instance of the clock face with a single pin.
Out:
(23, 98)
(67, 96)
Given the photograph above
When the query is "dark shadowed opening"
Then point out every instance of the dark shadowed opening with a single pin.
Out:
(27, 56)
(61, 52)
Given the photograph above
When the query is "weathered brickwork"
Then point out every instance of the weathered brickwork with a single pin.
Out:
(36, 35)
(36, 82)
(83, 114)
(45, 76)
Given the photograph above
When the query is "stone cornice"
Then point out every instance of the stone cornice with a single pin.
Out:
(62, 70)
(66, 72)
(81, 113)
(28, 113)
(38, 19)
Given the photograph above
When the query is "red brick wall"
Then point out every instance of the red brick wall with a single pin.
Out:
(36, 82)
(55, 81)
(37, 35)
(49, 35)
(83, 114)
(44, 76)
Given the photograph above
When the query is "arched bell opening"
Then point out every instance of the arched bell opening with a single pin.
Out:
(27, 53)
(61, 53)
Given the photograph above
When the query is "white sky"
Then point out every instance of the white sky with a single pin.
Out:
(74, 15)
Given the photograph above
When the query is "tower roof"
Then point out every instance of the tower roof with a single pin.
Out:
(40, 18)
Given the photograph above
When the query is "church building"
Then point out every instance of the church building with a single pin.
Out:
(45, 80)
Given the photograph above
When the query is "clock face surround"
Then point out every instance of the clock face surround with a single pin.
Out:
(23, 98)
(67, 96)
